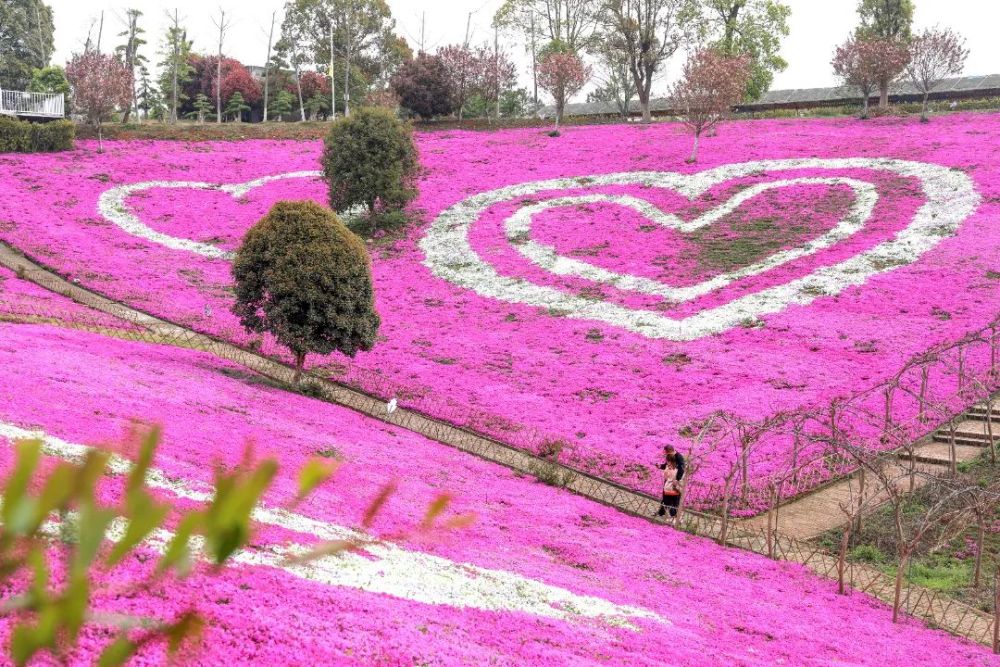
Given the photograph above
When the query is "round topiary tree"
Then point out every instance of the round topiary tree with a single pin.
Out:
(303, 277)
(370, 161)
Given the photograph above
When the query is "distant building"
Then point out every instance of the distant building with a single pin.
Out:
(256, 71)
(965, 87)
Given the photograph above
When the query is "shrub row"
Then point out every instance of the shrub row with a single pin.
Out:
(17, 136)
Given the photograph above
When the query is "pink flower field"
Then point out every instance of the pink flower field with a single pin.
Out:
(592, 288)
(542, 577)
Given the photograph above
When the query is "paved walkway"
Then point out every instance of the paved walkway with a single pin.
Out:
(798, 520)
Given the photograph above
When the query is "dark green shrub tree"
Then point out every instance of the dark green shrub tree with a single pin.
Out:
(303, 277)
(425, 85)
(370, 161)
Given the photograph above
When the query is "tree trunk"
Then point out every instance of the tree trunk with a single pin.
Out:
(267, 67)
(864, 105)
(218, 86)
(100, 138)
(980, 536)
(897, 599)
(298, 87)
(923, 109)
(996, 613)
(845, 541)
(647, 117)
(347, 70)
(300, 360)
(694, 150)
(333, 79)
(883, 100)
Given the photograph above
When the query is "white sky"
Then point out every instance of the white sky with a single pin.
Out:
(817, 26)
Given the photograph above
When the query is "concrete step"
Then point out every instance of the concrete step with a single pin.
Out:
(970, 432)
(979, 412)
(939, 453)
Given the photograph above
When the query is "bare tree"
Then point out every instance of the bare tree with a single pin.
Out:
(617, 85)
(711, 84)
(934, 55)
(129, 54)
(648, 33)
(222, 24)
(570, 22)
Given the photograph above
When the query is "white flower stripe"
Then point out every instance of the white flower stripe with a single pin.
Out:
(112, 205)
(518, 228)
(383, 568)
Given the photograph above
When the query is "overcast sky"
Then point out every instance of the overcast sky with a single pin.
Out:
(817, 26)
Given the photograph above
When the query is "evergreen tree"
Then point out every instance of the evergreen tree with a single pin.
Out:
(26, 41)
(129, 54)
(281, 104)
(175, 68)
(303, 277)
(202, 106)
(236, 106)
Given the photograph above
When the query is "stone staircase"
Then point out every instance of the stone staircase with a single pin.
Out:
(972, 435)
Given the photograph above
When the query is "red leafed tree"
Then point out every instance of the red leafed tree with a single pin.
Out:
(495, 74)
(562, 73)
(235, 79)
(101, 84)
(868, 64)
(313, 84)
(462, 68)
(935, 54)
(709, 87)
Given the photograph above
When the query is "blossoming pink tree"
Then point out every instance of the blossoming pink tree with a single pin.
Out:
(935, 53)
(460, 63)
(866, 64)
(495, 73)
(101, 84)
(711, 84)
(562, 74)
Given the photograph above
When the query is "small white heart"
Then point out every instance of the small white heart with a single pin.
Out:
(113, 207)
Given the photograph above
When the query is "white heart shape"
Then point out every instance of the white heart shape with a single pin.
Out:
(951, 197)
(113, 207)
(519, 225)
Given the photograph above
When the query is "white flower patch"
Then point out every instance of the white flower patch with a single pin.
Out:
(113, 207)
(951, 198)
(383, 568)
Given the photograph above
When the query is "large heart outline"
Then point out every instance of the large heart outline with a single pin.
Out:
(112, 205)
(951, 198)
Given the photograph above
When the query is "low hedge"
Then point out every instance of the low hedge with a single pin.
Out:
(18, 136)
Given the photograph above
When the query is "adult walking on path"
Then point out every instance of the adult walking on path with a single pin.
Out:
(673, 473)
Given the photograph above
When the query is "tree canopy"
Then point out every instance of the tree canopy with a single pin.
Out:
(752, 28)
(370, 160)
(885, 19)
(303, 277)
(26, 41)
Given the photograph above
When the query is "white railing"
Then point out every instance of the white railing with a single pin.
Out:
(44, 105)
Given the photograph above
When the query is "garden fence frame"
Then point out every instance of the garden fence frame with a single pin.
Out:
(935, 608)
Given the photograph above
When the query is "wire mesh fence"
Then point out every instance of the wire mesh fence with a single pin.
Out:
(791, 451)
